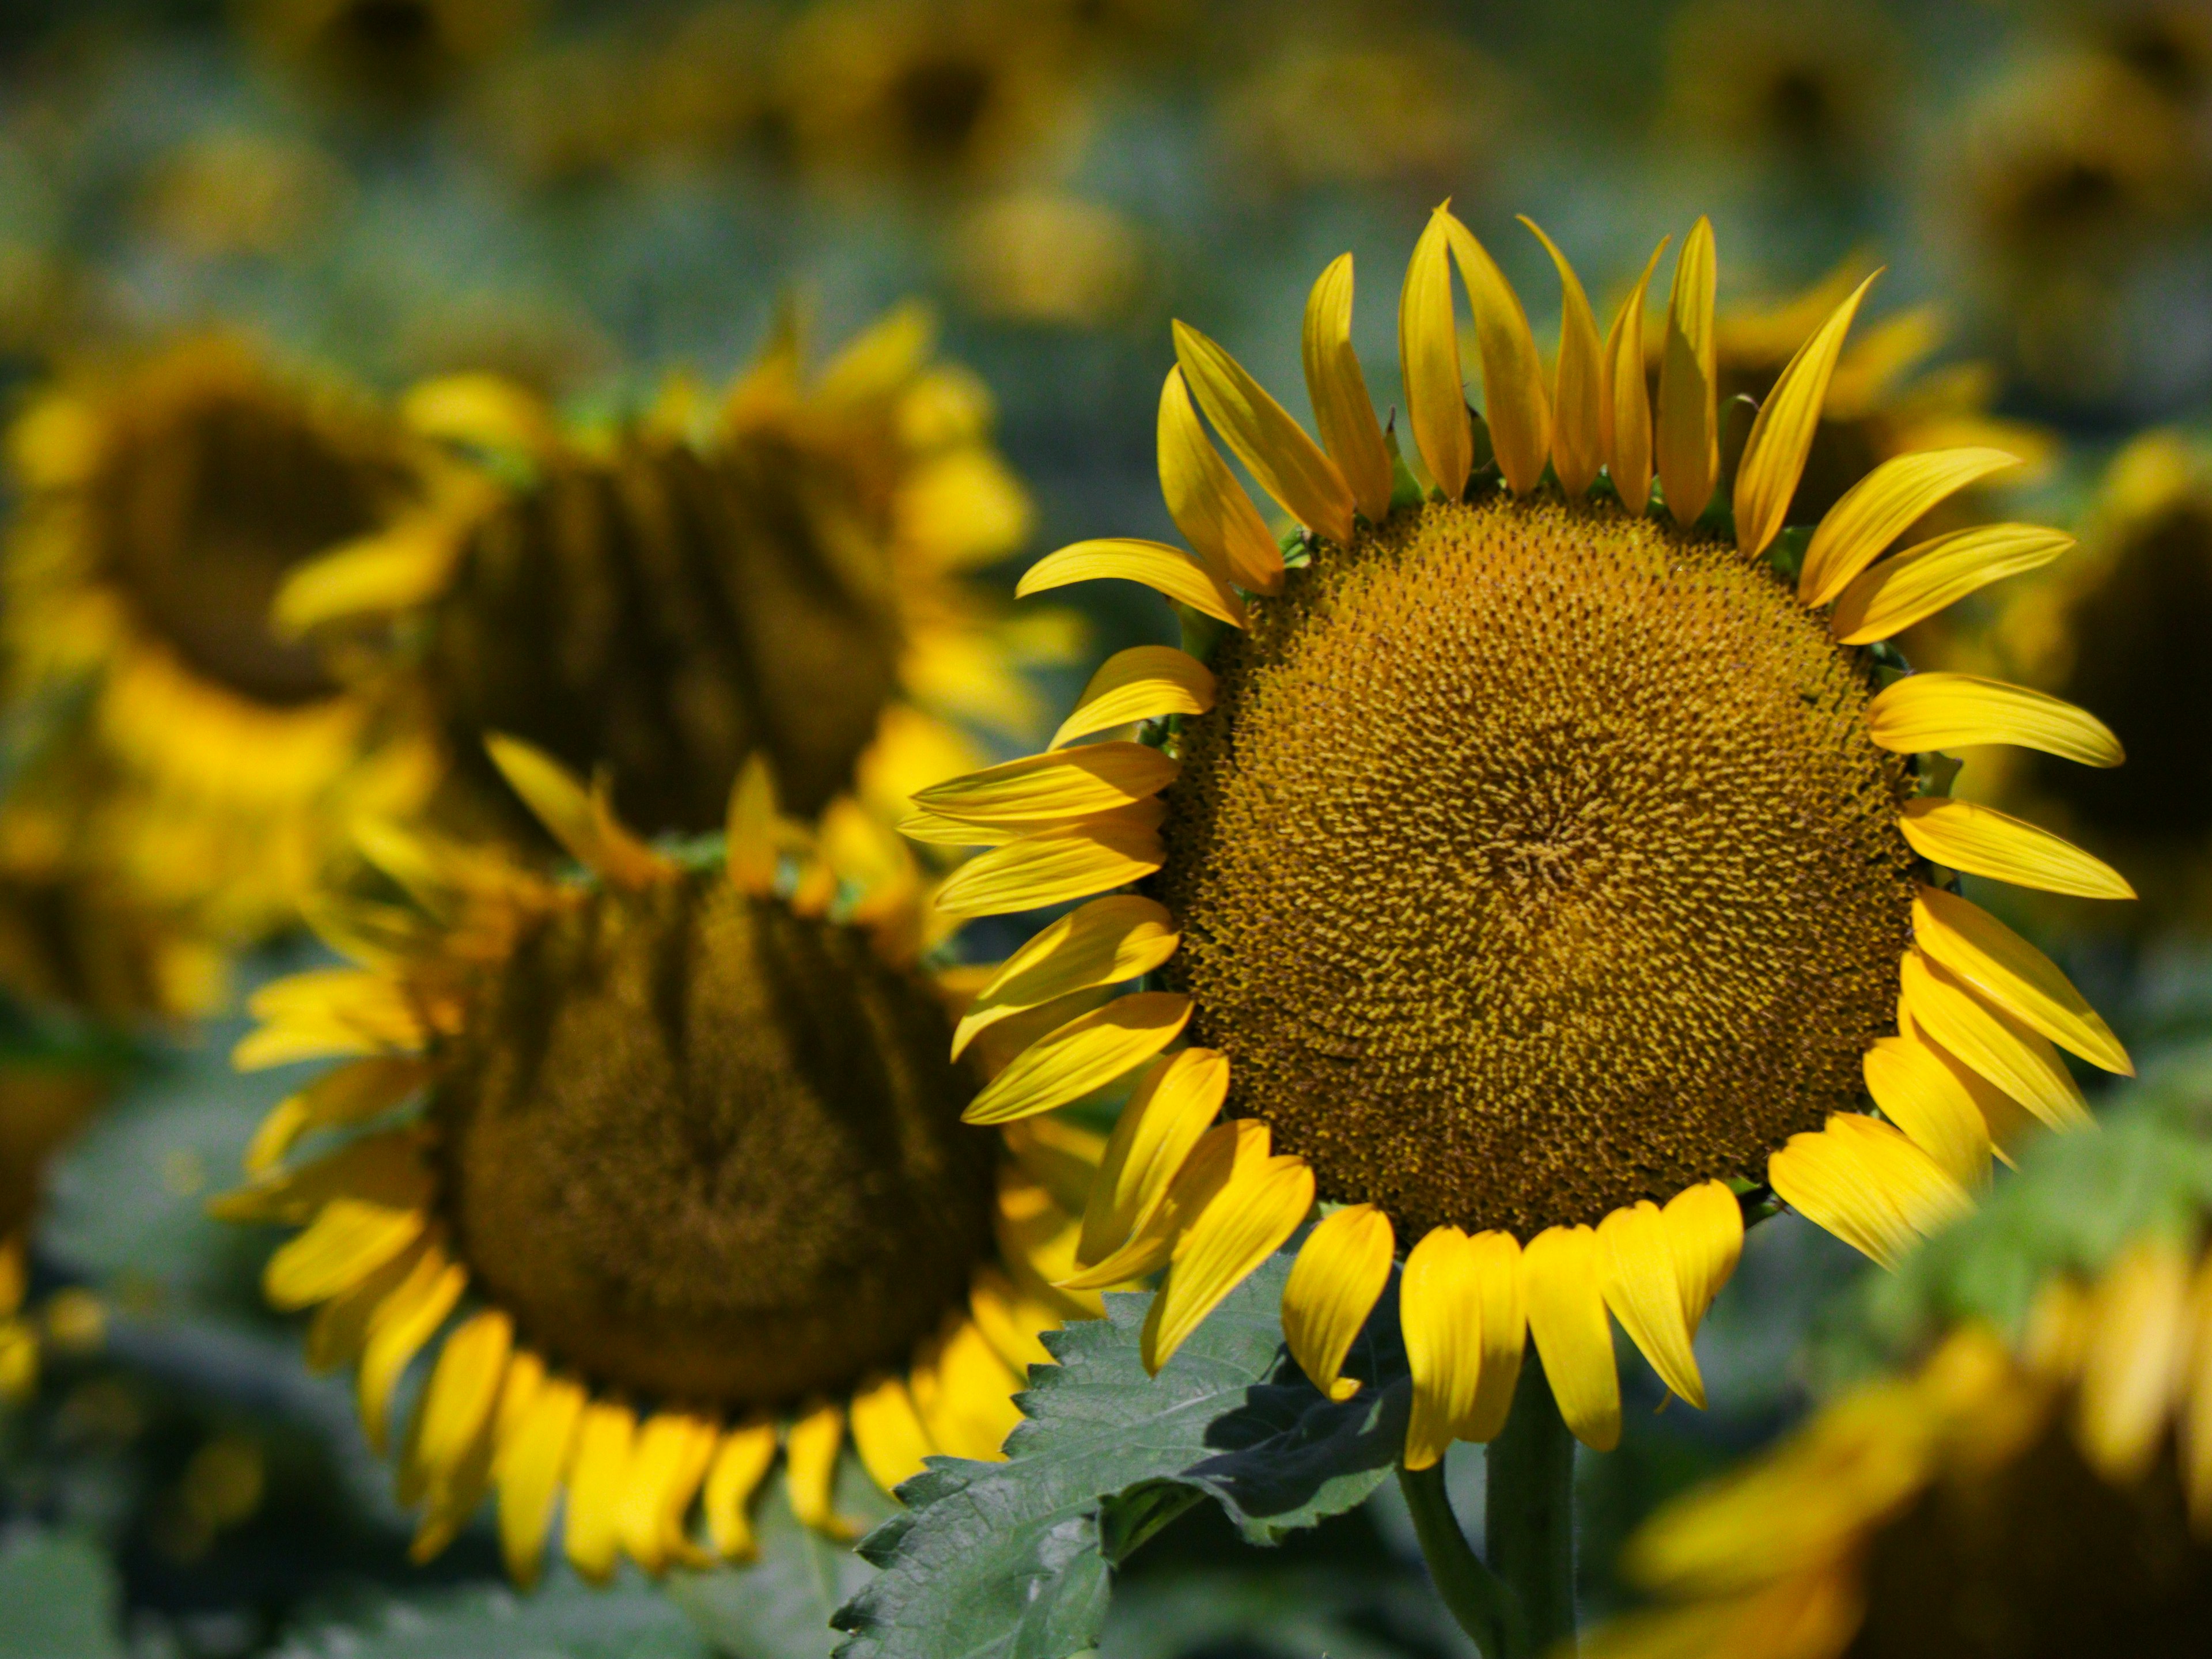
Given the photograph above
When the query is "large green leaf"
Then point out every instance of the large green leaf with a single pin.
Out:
(59, 1595)
(566, 1619)
(1013, 1560)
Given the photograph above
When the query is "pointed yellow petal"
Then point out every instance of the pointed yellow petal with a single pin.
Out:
(326, 1012)
(879, 361)
(1143, 683)
(1244, 1225)
(1496, 1257)
(1637, 1260)
(741, 1463)
(754, 842)
(1428, 361)
(1338, 390)
(1578, 447)
(935, 830)
(1882, 506)
(1166, 570)
(1333, 1285)
(888, 1435)
(339, 1330)
(1883, 602)
(1274, 447)
(580, 819)
(1228, 1152)
(1513, 399)
(1440, 1314)
(2014, 976)
(1211, 508)
(971, 1411)
(1563, 1279)
(1705, 1229)
(456, 1403)
(1981, 841)
(1782, 434)
(1689, 444)
(1083, 1056)
(1172, 1107)
(1051, 868)
(1919, 1094)
(396, 1331)
(386, 1170)
(2011, 1125)
(2020, 1061)
(352, 1094)
(1626, 409)
(377, 575)
(1064, 784)
(668, 1462)
(1106, 941)
(349, 1240)
(811, 1447)
(1010, 1321)
(604, 1444)
(530, 1465)
(2137, 1343)
(1925, 711)
(1868, 1185)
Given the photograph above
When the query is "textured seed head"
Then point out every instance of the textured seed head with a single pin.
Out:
(1535, 859)
(708, 1151)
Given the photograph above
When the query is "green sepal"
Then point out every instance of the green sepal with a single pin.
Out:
(1200, 632)
(1787, 553)
(1405, 489)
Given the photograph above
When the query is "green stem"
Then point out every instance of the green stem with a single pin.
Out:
(1530, 1513)
(1481, 1605)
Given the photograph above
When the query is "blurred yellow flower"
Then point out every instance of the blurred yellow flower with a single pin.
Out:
(384, 54)
(1043, 257)
(242, 192)
(1817, 83)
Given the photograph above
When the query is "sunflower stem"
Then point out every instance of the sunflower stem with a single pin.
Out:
(1478, 1602)
(1529, 1513)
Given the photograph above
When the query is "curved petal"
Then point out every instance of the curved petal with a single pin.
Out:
(1428, 361)
(1637, 1260)
(1173, 1106)
(1980, 841)
(1274, 449)
(1882, 506)
(1082, 1056)
(1108, 940)
(1513, 399)
(1578, 446)
(1498, 1279)
(2014, 976)
(1689, 443)
(1143, 683)
(1782, 434)
(1922, 713)
(592, 1536)
(1705, 1229)
(1166, 570)
(1440, 1316)
(582, 820)
(1883, 603)
(1626, 409)
(741, 1463)
(1920, 1095)
(1065, 784)
(1211, 508)
(1564, 1279)
(2020, 1061)
(811, 1446)
(1335, 1283)
(530, 1467)
(1243, 1226)
(1338, 391)
(1868, 1185)
(1052, 867)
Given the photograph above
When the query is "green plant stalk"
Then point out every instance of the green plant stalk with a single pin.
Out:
(1529, 1513)
(1478, 1602)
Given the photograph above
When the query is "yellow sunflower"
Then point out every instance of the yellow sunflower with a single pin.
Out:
(2056, 1501)
(1813, 83)
(159, 511)
(780, 569)
(1534, 873)
(687, 1181)
(388, 54)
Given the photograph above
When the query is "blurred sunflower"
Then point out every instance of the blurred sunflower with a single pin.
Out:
(2056, 1501)
(779, 571)
(42, 1103)
(160, 510)
(689, 1144)
(242, 193)
(394, 55)
(1045, 258)
(2167, 42)
(1815, 83)
(1527, 865)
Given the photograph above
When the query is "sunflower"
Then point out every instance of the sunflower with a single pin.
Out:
(392, 55)
(687, 1180)
(1532, 874)
(780, 572)
(1814, 83)
(159, 512)
(2054, 1500)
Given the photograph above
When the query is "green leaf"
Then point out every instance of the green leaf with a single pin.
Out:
(778, 1605)
(1012, 1560)
(565, 1619)
(59, 1593)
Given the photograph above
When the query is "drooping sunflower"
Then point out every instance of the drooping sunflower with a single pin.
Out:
(671, 1155)
(159, 511)
(776, 570)
(2055, 1499)
(1535, 875)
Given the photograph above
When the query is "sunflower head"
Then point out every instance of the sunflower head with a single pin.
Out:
(1542, 865)
(1814, 82)
(392, 55)
(675, 1149)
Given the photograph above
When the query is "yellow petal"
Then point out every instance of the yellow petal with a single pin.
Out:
(1274, 447)
(932, 829)
(352, 1094)
(409, 1317)
(1244, 1225)
(741, 1463)
(2011, 1125)
(580, 819)
(387, 1170)
(754, 837)
(2196, 1436)
(1577, 402)
(969, 1409)
(1211, 508)
(1222, 1155)
(2020, 1061)
(1689, 445)
(326, 1012)
(1428, 361)
(346, 1243)
(2138, 1337)
(605, 1439)
(1882, 506)
(1106, 941)
(1497, 1261)
(1143, 683)
(1922, 713)
(376, 575)
(1166, 570)
(1868, 1185)
(1980, 841)
(1062, 783)
(1782, 434)
(1636, 1258)
(1705, 1229)
(1052, 867)
(339, 1330)
(668, 1462)
(2014, 976)
(456, 1403)
(1920, 1095)
(811, 1447)
(1883, 603)
(1172, 1107)
(1440, 1314)
(530, 1465)
(1338, 391)
(1626, 409)
(888, 1435)
(1011, 1321)
(1513, 400)
(1083, 1056)
(1562, 1279)
(1333, 1285)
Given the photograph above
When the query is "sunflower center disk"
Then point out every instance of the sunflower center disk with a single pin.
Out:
(1536, 860)
(710, 1151)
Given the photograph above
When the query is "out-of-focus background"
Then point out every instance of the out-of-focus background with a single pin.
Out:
(588, 199)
